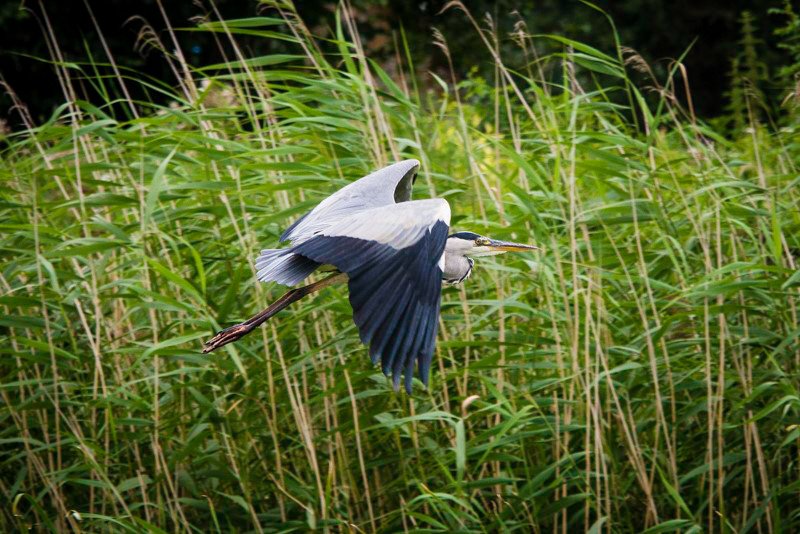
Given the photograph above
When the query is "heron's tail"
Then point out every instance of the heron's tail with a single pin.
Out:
(283, 266)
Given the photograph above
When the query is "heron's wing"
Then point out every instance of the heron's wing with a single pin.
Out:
(381, 188)
(394, 258)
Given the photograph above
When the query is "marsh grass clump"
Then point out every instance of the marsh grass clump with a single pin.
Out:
(640, 373)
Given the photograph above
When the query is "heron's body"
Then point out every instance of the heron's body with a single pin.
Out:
(393, 252)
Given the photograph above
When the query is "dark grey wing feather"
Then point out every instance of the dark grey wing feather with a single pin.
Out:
(395, 294)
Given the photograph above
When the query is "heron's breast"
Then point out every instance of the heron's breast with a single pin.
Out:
(457, 268)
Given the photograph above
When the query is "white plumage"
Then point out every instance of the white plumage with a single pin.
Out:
(396, 225)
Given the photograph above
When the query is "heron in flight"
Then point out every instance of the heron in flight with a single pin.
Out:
(394, 254)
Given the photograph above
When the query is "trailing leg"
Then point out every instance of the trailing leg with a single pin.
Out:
(237, 331)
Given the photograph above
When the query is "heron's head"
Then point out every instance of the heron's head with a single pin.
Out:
(474, 245)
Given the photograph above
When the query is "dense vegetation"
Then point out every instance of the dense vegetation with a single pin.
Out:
(640, 373)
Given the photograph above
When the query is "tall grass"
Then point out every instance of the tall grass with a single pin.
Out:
(639, 374)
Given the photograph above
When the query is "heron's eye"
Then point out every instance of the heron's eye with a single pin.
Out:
(481, 241)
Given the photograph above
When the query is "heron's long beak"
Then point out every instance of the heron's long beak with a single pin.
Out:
(508, 246)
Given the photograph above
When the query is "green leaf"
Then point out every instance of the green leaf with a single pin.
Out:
(157, 184)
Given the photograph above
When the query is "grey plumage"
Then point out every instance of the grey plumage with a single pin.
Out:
(457, 268)
(354, 210)
(384, 187)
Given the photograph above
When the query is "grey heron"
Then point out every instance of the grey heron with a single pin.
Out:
(394, 254)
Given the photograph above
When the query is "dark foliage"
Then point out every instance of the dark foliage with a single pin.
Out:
(659, 31)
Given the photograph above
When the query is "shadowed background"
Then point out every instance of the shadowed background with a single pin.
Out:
(659, 31)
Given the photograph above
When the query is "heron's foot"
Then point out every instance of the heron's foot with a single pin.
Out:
(229, 335)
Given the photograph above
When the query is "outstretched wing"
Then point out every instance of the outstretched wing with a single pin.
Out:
(394, 258)
(381, 188)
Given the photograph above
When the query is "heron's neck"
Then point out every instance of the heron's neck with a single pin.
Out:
(457, 267)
